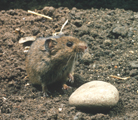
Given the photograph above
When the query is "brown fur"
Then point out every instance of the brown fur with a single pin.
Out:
(54, 63)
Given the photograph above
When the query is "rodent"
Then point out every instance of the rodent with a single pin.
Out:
(52, 59)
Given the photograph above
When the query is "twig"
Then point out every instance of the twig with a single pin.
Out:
(63, 26)
(125, 78)
(54, 34)
(29, 11)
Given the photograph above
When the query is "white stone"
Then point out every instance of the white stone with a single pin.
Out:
(95, 95)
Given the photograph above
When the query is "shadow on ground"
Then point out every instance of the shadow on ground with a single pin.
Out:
(84, 4)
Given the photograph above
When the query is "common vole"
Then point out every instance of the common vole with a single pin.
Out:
(52, 59)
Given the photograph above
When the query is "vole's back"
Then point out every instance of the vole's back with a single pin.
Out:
(37, 60)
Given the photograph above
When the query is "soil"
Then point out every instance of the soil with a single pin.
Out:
(112, 37)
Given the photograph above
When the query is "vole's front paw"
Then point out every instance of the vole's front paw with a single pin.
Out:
(71, 77)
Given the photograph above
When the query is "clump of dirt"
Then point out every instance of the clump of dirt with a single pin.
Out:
(112, 37)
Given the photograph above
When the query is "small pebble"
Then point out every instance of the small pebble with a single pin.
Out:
(86, 58)
(136, 16)
(4, 99)
(107, 42)
(78, 23)
(95, 95)
(60, 109)
(48, 10)
(120, 30)
(134, 64)
(77, 116)
(133, 72)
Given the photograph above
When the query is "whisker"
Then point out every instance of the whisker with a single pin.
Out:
(74, 62)
(77, 56)
(68, 61)
(80, 55)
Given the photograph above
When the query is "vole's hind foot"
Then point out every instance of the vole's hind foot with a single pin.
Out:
(45, 95)
(71, 77)
(66, 87)
(45, 90)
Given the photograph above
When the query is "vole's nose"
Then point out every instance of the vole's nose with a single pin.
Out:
(86, 47)
(82, 47)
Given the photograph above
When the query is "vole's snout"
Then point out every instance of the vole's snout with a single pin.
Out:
(82, 47)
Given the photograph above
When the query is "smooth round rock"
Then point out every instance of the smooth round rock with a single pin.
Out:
(95, 95)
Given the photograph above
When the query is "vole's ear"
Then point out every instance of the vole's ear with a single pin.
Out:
(49, 44)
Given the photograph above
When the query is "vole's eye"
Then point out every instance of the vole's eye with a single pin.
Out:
(69, 44)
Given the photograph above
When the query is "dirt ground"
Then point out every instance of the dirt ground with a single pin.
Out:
(112, 37)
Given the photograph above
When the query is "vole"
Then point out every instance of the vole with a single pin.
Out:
(52, 59)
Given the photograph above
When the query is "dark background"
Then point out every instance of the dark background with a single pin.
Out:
(84, 4)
